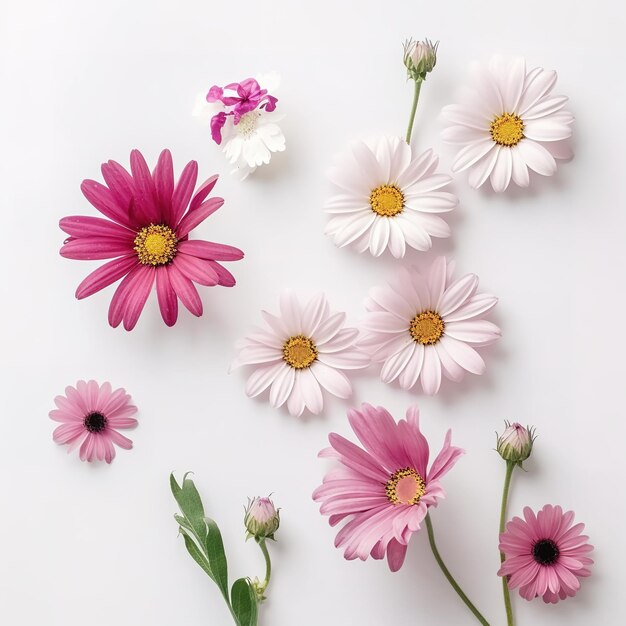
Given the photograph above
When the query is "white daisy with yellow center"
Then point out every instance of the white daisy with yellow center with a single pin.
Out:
(388, 198)
(510, 123)
(302, 352)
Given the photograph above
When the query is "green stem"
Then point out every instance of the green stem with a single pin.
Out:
(448, 575)
(268, 563)
(416, 97)
(510, 466)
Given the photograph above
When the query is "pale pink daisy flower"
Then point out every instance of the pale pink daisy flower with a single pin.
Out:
(146, 233)
(510, 122)
(424, 324)
(544, 554)
(385, 488)
(91, 415)
(388, 198)
(302, 351)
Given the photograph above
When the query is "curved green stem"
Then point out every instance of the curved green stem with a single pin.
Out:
(416, 97)
(448, 575)
(268, 564)
(510, 466)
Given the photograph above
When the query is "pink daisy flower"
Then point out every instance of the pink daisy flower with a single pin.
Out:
(303, 350)
(147, 236)
(386, 488)
(544, 554)
(425, 324)
(91, 414)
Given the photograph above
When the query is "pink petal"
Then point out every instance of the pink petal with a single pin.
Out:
(95, 248)
(209, 250)
(226, 279)
(103, 199)
(166, 296)
(144, 208)
(198, 270)
(203, 191)
(106, 275)
(87, 226)
(142, 285)
(182, 195)
(163, 177)
(185, 290)
(193, 218)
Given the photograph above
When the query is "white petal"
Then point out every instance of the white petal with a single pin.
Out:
(379, 236)
(423, 165)
(450, 368)
(314, 312)
(311, 391)
(457, 294)
(513, 84)
(520, 170)
(400, 160)
(431, 371)
(262, 378)
(433, 202)
(459, 114)
(397, 245)
(394, 302)
(560, 149)
(410, 374)
(539, 82)
(291, 312)
(345, 338)
(414, 235)
(395, 364)
(255, 153)
(345, 230)
(502, 170)
(272, 137)
(282, 385)
(436, 281)
(546, 130)
(367, 162)
(345, 360)
(545, 106)
(430, 183)
(481, 170)
(478, 332)
(329, 328)
(536, 157)
(253, 354)
(478, 305)
(383, 322)
(434, 225)
(334, 381)
(276, 324)
(295, 402)
(472, 153)
(463, 134)
(463, 354)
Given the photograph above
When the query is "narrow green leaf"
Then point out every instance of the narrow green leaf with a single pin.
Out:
(182, 521)
(244, 603)
(214, 547)
(190, 504)
(196, 554)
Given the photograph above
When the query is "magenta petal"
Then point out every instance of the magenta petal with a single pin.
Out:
(168, 302)
(225, 277)
(144, 208)
(163, 176)
(121, 296)
(215, 94)
(202, 192)
(192, 219)
(120, 183)
(94, 248)
(210, 250)
(183, 192)
(105, 200)
(139, 292)
(396, 553)
(217, 123)
(198, 270)
(185, 290)
(105, 275)
(87, 226)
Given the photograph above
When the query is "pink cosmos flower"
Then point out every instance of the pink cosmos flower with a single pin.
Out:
(249, 97)
(544, 554)
(386, 488)
(91, 414)
(425, 324)
(147, 236)
(303, 351)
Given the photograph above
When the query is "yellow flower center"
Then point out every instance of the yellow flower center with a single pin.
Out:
(155, 245)
(299, 352)
(387, 200)
(405, 486)
(507, 129)
(427, 327)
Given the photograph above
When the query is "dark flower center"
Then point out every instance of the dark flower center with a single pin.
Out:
(545, 552)
(95, 422)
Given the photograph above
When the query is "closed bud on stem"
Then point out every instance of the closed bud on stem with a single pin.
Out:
(420, 57)
(516, 442)
(261, 518)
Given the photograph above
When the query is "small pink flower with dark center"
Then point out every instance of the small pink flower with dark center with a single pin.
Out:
(385, 488)
(91, 415)
(147, 236)
(249, 97)
(544, 554)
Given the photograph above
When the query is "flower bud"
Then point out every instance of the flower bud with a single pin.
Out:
(516, 442)
(262, 518)
(420, 58)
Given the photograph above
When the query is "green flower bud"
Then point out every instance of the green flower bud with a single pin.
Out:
(420, 57)
(516, 442)
(262, 518)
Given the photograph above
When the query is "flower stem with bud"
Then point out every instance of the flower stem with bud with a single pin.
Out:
(416, 96)
(510, 466)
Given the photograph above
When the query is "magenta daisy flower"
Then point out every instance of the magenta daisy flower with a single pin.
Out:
(146, 233)
(544, 554)
(385, 488)
(91, 415)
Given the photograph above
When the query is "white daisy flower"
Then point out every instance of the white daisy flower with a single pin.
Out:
(388, 198)
(302, 351)
(245, 125)
(510, 122)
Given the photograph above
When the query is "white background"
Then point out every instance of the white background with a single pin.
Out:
(85, 81)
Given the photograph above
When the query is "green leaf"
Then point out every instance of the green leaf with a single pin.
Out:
(190, 504)
(182, 521)
(243, 600)
(196, 553)
(214, 547)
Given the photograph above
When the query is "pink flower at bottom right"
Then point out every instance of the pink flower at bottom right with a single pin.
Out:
(545, 555)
